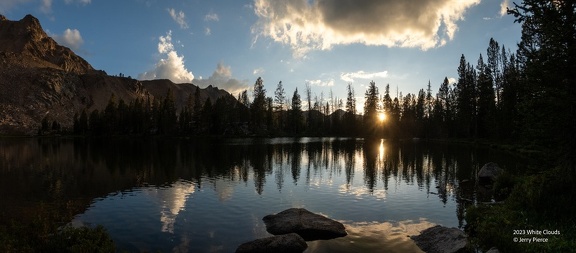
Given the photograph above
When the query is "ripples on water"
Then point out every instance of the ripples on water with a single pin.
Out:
(192, 196)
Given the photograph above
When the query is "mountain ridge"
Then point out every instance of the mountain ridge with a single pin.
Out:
(41, 79)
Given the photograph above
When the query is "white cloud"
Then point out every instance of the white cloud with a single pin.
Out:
(351, 76)
(171, 67)
(503, 7)
(320, 83)
(258, 71)
(178, 17)
(451, 80)
(207, 31)
(165, 45)
(46, 6)
(70, 38)
(307, 25)
(222, 78)
(211, 17)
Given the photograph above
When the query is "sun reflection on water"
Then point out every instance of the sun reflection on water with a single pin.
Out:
(381, 151)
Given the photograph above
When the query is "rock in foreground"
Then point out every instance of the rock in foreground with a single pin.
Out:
(489, 172)
(288, 243)
(309, 225)
(442, 240)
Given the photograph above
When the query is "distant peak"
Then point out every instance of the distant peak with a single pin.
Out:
(34, 47)
(30, 20)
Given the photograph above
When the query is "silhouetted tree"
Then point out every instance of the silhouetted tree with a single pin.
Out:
(295, 114)
(279, 100)
(109, 117)
(258, 107)
(465, 99)
(371, 110)
(350, 115)
(486, 108)
(96, 123)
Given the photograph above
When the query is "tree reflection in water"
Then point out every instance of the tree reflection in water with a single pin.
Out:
(364, 180)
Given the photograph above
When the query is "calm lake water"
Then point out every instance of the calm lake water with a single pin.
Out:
(210, 196)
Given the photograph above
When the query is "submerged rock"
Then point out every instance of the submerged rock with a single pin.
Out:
(489, 172)
(441, 239)
(309, 225)
(288, 243)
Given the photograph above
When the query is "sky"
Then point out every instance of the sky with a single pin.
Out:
(325, 43)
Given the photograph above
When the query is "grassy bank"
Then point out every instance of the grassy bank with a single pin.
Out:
(41, 229)
(535, 202)
(25, 238)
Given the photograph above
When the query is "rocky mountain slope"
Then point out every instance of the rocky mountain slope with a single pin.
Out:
(39, 78)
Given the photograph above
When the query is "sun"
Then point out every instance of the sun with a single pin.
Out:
(381, 116)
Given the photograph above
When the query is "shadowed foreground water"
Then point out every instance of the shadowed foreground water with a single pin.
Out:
(210, 196)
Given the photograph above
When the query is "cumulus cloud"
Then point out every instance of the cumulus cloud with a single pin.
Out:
(211, 17)
(207, 31)
(503, 7)
(171, 67)
(307, 25)
(321, 83)
(222, 78)
(70, 38)
(178, 17)
(351, 76)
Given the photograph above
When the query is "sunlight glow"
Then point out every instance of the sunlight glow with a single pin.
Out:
(381, 116)
(381, 151)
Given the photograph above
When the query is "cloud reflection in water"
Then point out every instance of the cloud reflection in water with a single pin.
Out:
(173, 200)
(373, 237)
(361, 192)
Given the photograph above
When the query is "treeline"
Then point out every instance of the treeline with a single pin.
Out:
(483, 103)
(159, 116)
(524, 96)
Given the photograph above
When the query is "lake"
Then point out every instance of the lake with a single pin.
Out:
(176, 195)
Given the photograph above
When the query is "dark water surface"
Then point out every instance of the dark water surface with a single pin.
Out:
(210, 196)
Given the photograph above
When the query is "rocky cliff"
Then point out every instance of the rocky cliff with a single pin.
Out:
(39, 78)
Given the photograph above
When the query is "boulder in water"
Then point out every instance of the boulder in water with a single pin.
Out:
(309, 225)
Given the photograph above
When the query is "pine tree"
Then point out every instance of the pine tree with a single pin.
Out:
(109, 117)
(371, 109)
(279, 100)
(547, 54)
(258, 106)
(350, 116)
(485, 101)
(295, 124)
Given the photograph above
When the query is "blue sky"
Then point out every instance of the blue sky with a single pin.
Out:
(327, 43)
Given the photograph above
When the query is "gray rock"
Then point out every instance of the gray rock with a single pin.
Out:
(493, 250)
(288, 243)
(305, 223)
(442, 240)
(489, 172)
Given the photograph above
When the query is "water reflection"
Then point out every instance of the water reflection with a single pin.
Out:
(171, 200)
(198, 195)
(374, 237)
